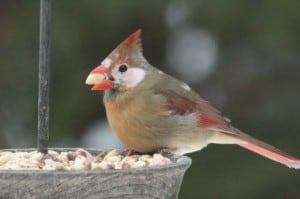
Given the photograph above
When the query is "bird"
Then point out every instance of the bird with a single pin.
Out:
(151, 111)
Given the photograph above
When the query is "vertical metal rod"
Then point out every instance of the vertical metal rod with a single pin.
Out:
(44, 74)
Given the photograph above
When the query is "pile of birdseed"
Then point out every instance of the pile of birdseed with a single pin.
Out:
(78, 160)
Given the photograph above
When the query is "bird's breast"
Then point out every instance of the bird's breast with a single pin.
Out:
(133, 124)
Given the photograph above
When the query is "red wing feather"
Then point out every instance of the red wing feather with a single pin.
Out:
(208, 116)
(180, 106)
(211, 121)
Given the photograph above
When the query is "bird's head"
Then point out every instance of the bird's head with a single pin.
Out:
(124, 68)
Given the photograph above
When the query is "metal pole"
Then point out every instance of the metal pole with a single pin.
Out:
(44, 73)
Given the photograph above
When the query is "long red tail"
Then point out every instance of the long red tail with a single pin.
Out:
(272, 153)
(266, 150)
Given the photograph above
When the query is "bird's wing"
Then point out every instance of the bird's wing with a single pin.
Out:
(208, 116)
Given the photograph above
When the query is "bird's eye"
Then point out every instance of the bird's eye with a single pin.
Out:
(123, 68)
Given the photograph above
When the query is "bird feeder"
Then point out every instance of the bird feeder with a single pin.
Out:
(147, 182)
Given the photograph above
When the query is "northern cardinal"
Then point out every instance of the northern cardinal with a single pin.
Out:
(149, 110)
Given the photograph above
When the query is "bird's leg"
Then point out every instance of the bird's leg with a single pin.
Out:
(166, 151)
(129, 152)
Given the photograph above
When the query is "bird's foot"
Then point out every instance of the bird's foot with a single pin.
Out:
(166, 151)
(129, 152)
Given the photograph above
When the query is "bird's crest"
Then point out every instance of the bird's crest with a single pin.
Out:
(130, 49)
(133, 39)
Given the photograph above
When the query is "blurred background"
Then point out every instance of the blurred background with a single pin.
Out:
(241, 55)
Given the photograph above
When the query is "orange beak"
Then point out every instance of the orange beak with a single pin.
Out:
(101, 78)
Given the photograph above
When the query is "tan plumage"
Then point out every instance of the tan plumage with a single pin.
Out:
(150, 110)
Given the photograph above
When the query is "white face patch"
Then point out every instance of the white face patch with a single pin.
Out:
(106, 62)
(133, 76)
(185, 87)
(160, 72)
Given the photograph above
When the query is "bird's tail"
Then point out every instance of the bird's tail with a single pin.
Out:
(265, 149)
